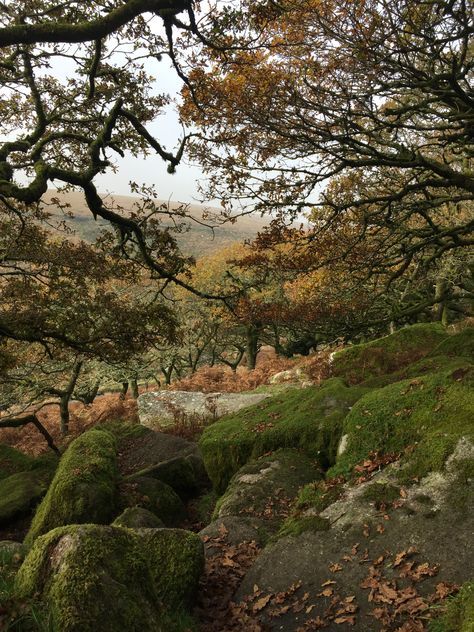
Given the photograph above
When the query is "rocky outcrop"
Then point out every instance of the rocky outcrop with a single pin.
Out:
(307, 419)
(390, 553)
(159, 409)
(260, 495)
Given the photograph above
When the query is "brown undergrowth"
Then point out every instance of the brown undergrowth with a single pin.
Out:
(105, 408)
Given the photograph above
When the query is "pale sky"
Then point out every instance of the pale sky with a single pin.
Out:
(179, 187)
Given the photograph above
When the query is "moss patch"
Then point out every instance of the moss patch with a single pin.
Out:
(381, 494)
(389, 354)
(460, 614)
(295, 526)
(155, 496)
(309, 419)
(318, 495)
(83, 488)
(19, 493)
(109, 578)
(138, 518)
(13, 461)
(176, 561)
(428, 414)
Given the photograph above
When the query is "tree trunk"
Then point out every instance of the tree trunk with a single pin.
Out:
(134, 388)
(66, 396)
(252, 334)
(441, 310)
(124, 390)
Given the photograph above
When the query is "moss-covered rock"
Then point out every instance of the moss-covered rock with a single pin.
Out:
(92, 578)
(427, 414)
(389, 354)
(109, 578)
(265, 488)
(176, 562)
(155, 496)
(296, 525)
(138, 518)
(309, 419)
(13, 461)
(19, 493)
(83, 488)
(177, 472)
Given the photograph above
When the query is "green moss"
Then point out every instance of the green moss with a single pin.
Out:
(83, 488)
(21, 615)
(205, 505)
(92, 578)
(389, 354)
(381, 494)
(19, 493)
(295, 526)
(13, 461)
(309, 419)
(460, 613)
(138, 518)
(428, 414)
(317, 496)
(176, 561)
(123, 430)
(457, 345)
(155, 496)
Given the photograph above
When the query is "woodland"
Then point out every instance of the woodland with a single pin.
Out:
(338, 140)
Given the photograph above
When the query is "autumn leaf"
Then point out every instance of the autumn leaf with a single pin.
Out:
(261, 603)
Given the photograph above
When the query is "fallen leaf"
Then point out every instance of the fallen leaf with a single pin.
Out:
(261, 603)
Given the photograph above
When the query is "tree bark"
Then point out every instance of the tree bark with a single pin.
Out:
(124, 390)
(134, 388)
(252, 335)
(66, 396)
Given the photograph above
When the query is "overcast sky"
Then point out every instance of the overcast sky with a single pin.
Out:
(179, 187)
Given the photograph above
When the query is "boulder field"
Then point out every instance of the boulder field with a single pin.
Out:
(355, 497)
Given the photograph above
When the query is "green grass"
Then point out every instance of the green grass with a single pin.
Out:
(307, 419)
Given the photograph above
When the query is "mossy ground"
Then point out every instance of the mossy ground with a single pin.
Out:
(460, 345)
(427, 414)
(308, 419)
(296, 525)
(83, 488)
(386, 355)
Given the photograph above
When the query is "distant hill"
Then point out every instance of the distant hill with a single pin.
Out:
(198, 240)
